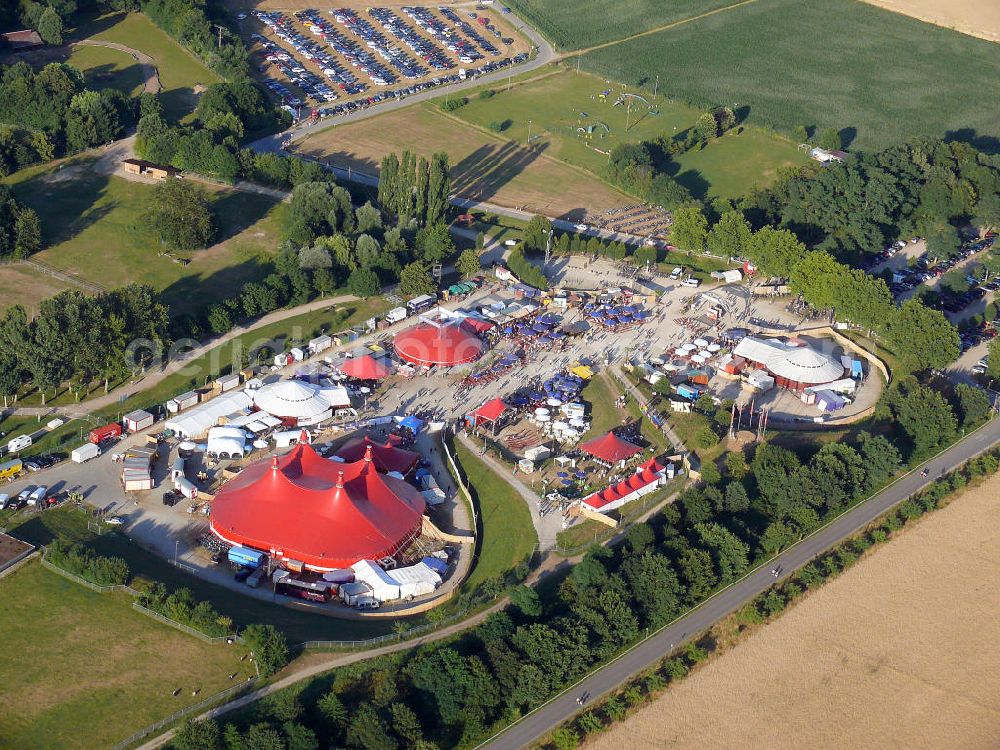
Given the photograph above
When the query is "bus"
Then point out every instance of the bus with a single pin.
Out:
(11, 469)
(313, 591)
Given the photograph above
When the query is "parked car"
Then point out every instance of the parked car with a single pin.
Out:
(115, 521)
(37, 497)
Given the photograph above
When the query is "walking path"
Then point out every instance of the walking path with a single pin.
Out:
(152, 78)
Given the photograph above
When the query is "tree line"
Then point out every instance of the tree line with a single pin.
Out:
(76, 338)
(85, 563)
(20, 229)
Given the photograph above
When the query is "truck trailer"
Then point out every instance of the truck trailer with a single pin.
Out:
(84, 453)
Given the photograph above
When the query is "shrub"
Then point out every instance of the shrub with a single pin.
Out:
(565, 739)
(487, 94)
(81, 561)
(706, 437)
(269, 647)
(450, 105)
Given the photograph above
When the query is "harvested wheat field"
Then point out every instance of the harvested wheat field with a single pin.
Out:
(898, 652)
(974, 17)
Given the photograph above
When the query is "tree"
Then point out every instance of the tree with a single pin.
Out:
(415, 280)
(468, 263)
(776, 470)
(736, 499)
(922, 338)
(923, 414)
(943, 241)
(363, 283)
(299, 737)
(367, 218)
(775, 251)
(27, 233)
(830, 140)
(565, 739)
(262, 736)
(406, 724)
(973, 404)
(50, 26)
(710, 473)
(731, 556)
(993, 360)
(313, 257)
(536, 234)
(988, 211)
(198, 735)
(881, 459)
(269, 647)
(333, 711)
(730, 236)
(736, 465)
(219, 320)
(654, 585)
(434, 242)
(526, 600)
(690, 228)
(698, 574)
(369, 731)
(438, 189)
(180, 214)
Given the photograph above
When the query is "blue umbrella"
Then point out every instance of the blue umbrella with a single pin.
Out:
(536, 396)
(562, 474)
(581, 475)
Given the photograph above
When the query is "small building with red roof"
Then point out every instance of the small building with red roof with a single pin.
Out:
(610, 448)
(324, 514)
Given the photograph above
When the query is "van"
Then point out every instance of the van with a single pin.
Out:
(691, 282)
(676, 273)
(19, 443)
(4, 500)
(367, 602)
(36, 497)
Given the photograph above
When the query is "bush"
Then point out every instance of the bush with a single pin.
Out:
(181, 606)
(498, 126)
(487, 94)
(269, 647)
(81, 561)
(450, 105)
(706, 437)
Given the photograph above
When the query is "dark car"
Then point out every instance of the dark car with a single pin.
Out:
(243, 573)
(170, 498)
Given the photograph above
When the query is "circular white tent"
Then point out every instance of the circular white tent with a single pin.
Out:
(805, 365)
(293, 401)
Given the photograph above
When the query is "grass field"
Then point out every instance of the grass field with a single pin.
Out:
(897, 652)
(506, 533)
(484, 166)
(84, 670)
(571, 26)
(93, 228)
(298, 626)
(880, 77)
(181, 74)
(603, 413)
(105, 68)
(26, 286)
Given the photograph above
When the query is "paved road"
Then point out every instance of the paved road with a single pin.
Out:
(544, 55)
(564, 706)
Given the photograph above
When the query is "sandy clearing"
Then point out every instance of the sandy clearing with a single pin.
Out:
(979, 18)
(899, 652)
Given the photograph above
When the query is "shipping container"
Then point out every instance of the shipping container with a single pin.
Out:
(108, 431)
(184, 401)
(246, 556)
(227, 383)
(85, 453)
(138, 420)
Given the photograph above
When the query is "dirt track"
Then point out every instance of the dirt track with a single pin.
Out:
(900, 652)
(974, 17)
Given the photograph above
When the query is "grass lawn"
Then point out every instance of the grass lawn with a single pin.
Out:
(878, 76)
(25, 285)
(93, 228)
(179, 71)
(59, 438)
(484, 165)
(603, 413)
(85, 670)
(105, 68)
(506, 534)
(298, 626)
(572, 26)
(561, 103)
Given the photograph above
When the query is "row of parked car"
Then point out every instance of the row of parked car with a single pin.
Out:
(470, 31)
(36, 497)
(375, 41)
(443, 34)
(424, 48)
(360, 104)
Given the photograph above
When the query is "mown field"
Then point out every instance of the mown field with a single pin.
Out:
(93, 228)
(560, 103)
(84, 670)
(878, 76)
(181, 74)
(105, 68)
(571, 26)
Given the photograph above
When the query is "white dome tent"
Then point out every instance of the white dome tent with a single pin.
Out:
(293, 401)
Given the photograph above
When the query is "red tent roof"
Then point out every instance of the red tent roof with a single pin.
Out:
(490, 411)
(324, 513)
(645, 475)
(477, 324)
(364, 368)
(445, 344)
(386, 457)
(610, 448)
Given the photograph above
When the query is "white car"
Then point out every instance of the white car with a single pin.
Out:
(581, 227)
(691, 282)
(115, 521)
(38, 496)
(676, 273)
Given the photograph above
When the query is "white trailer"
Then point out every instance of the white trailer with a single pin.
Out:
(84, 453)
(396, 314)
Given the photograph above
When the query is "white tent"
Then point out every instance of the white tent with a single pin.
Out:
(415, 580)
(293, 399)
(383, 587)
(226, 442)
(195, 422)
(337, 397)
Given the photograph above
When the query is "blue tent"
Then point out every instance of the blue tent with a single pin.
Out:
(413, 424)
(437, 565)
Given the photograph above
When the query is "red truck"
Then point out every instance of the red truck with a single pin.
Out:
(108, 431)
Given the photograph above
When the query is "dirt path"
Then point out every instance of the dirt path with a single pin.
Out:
(152, 84)
(899, 652)
(656, 30)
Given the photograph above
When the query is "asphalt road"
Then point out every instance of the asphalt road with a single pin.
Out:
(564, 706)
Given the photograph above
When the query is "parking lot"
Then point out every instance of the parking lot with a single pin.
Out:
(327, 62)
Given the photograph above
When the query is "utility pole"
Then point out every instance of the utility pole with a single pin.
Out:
(528, 142)
(656, 86)
(220, 29)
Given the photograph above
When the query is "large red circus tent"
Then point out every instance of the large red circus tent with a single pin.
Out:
(324, 514)
(386, 457)
(364, 368)
(445, 343)
(610, 448)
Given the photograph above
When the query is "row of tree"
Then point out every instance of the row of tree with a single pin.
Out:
(77, 338)
(85, 563)
(60, 113)
(410, 189)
